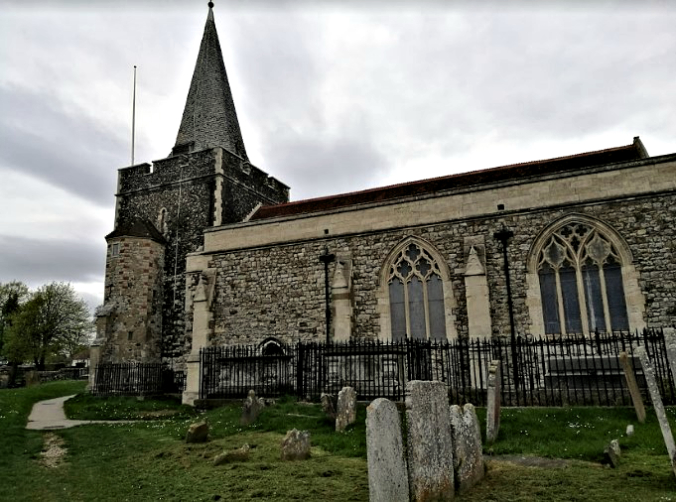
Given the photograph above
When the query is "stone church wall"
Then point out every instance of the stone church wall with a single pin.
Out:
(196, 191)
(278, 290)
(133, 293)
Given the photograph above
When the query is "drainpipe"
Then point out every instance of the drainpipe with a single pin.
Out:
(503, 236)
(327, 258)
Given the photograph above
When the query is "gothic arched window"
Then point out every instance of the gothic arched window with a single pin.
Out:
(416, 295)
(581, 286)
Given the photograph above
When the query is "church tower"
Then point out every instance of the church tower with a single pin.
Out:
(162, 209)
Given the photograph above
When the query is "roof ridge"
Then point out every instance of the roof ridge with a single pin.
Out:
(454, 175)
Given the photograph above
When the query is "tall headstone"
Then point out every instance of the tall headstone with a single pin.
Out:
(649, 374)
(430, 447)
(347, 408)
(468, 460)
(388, 477)
(329, 405)
(493, 407)
(634, 391)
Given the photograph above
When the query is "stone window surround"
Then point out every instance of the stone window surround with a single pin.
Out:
(383, 295)
(632, 292)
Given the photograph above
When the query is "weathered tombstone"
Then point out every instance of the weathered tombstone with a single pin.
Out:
(347, 408)
(296, 445)
(388, 478)
(493, 406)
(238, 455)
(251, 408)
(670, 342)
(197, 433)
(468, 459)
(630, 430)
(612, 453)
(649, 374)
(430, 447)
(634, 391)
(329, 405)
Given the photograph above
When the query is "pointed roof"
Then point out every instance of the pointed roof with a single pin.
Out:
(138, 228)
(209, 118)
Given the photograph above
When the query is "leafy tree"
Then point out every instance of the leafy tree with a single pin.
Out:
(53, 321)
(12, 296)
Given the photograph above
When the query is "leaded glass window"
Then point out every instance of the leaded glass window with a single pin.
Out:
(581, 282)
(416, 291)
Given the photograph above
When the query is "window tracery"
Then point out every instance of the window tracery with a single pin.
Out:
(581, 285)
(416, 295)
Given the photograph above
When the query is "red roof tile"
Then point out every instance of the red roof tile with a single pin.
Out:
(634, 151)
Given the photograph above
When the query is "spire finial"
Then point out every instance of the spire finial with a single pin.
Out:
(211, 5)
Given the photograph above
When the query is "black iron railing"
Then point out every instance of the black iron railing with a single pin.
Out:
(134, 379)
(552, 371)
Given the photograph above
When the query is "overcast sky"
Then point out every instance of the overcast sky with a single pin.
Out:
(330, 100)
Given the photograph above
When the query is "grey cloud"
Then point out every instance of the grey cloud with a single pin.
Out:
(38, 261)
(63, 148)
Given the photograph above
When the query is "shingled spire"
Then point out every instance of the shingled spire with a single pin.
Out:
(209, 118)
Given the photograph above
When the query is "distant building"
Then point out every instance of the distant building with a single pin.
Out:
(207, 250)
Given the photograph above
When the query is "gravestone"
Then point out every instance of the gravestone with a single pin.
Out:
(347, 408)
(251, 409)
(649, 374)
(329, 405)
(634, 391)
(430, 447)
(612, 453)
(493, 406)
(238, 455)
(197, 433)
(670, 342)
(296, 445)
(468, 459)
(388, 478)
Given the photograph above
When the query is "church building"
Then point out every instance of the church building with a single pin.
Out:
(208, 250)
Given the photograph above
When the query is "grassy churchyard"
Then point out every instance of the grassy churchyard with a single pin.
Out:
(148, 459)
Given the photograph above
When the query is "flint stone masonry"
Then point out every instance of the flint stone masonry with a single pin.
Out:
(654, 390)
(468, 460)
(388, 476)
(430, 445)
(251, 409)
(197, 433)
(254, 276)
(347, 408)
(493, 406)
(197, 191)
(296, 445)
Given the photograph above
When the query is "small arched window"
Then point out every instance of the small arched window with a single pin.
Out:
(581, 286)
(416, 295)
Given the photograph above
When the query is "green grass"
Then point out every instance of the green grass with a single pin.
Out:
(148, 460)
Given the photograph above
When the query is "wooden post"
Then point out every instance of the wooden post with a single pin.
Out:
(633, 387)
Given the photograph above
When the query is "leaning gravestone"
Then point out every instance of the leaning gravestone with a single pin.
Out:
(649, 374)
(493, 406)
(634, 391)
(197, 433)
(388, 478)
(251, 409)
(468, 459)
(430, 447)
(329, 405)
(347, 408)
(296, 445)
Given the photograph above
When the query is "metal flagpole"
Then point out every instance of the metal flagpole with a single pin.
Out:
(133, 119)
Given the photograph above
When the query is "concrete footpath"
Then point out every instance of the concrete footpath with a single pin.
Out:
(49, 415)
